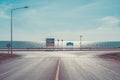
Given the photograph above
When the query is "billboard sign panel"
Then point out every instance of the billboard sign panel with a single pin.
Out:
(50, 42)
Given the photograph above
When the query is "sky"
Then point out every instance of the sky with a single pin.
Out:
(95, 20)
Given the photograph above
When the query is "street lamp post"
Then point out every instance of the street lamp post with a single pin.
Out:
(81, 41)
(58, 43)
(12, 25)
(62, 43)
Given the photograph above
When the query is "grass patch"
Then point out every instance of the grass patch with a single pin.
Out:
(114, 56)
(5, 56)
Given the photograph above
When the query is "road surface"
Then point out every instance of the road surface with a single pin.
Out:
(61, 65)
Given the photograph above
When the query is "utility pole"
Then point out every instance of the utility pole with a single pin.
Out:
(12, 26)
(81, 41)
(62, 44)
(58, 43)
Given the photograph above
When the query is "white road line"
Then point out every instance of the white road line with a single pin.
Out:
(57, 71)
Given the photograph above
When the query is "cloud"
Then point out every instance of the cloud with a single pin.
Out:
(88, 35)
(110, 20)
(108, 30)
(3, 15)
(4, 10)
(6, 7)
(64, 21)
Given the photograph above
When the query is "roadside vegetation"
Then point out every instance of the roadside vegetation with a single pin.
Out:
(112, 56)
(5, 56)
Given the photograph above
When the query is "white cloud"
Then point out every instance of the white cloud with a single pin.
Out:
(3, 15)
(88, 35)
(107, 31)
(110, 20)
(6, 7)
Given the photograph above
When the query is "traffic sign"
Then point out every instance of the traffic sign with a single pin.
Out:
(50, 41)
(70, 44)
(8, 45)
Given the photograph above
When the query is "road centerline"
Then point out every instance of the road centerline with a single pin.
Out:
(57, 71)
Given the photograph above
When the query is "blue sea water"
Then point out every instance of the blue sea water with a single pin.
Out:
(29, 44)
(21, 44)
(105, 44)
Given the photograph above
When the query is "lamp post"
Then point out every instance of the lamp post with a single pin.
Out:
(62, 44)
(58, 43)
(12, 25)
(81, 41)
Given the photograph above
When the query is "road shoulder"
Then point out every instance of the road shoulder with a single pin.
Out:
(111, 57)
(5, 57)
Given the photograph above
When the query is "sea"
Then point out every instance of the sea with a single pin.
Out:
(21, 44)
(42, 44)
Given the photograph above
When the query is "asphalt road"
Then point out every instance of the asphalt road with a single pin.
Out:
(74, 65)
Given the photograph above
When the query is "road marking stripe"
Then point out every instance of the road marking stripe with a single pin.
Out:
(57, 71)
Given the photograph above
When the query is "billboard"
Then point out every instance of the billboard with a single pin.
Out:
(50, 42)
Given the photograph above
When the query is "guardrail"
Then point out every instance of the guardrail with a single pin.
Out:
(61, 49)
